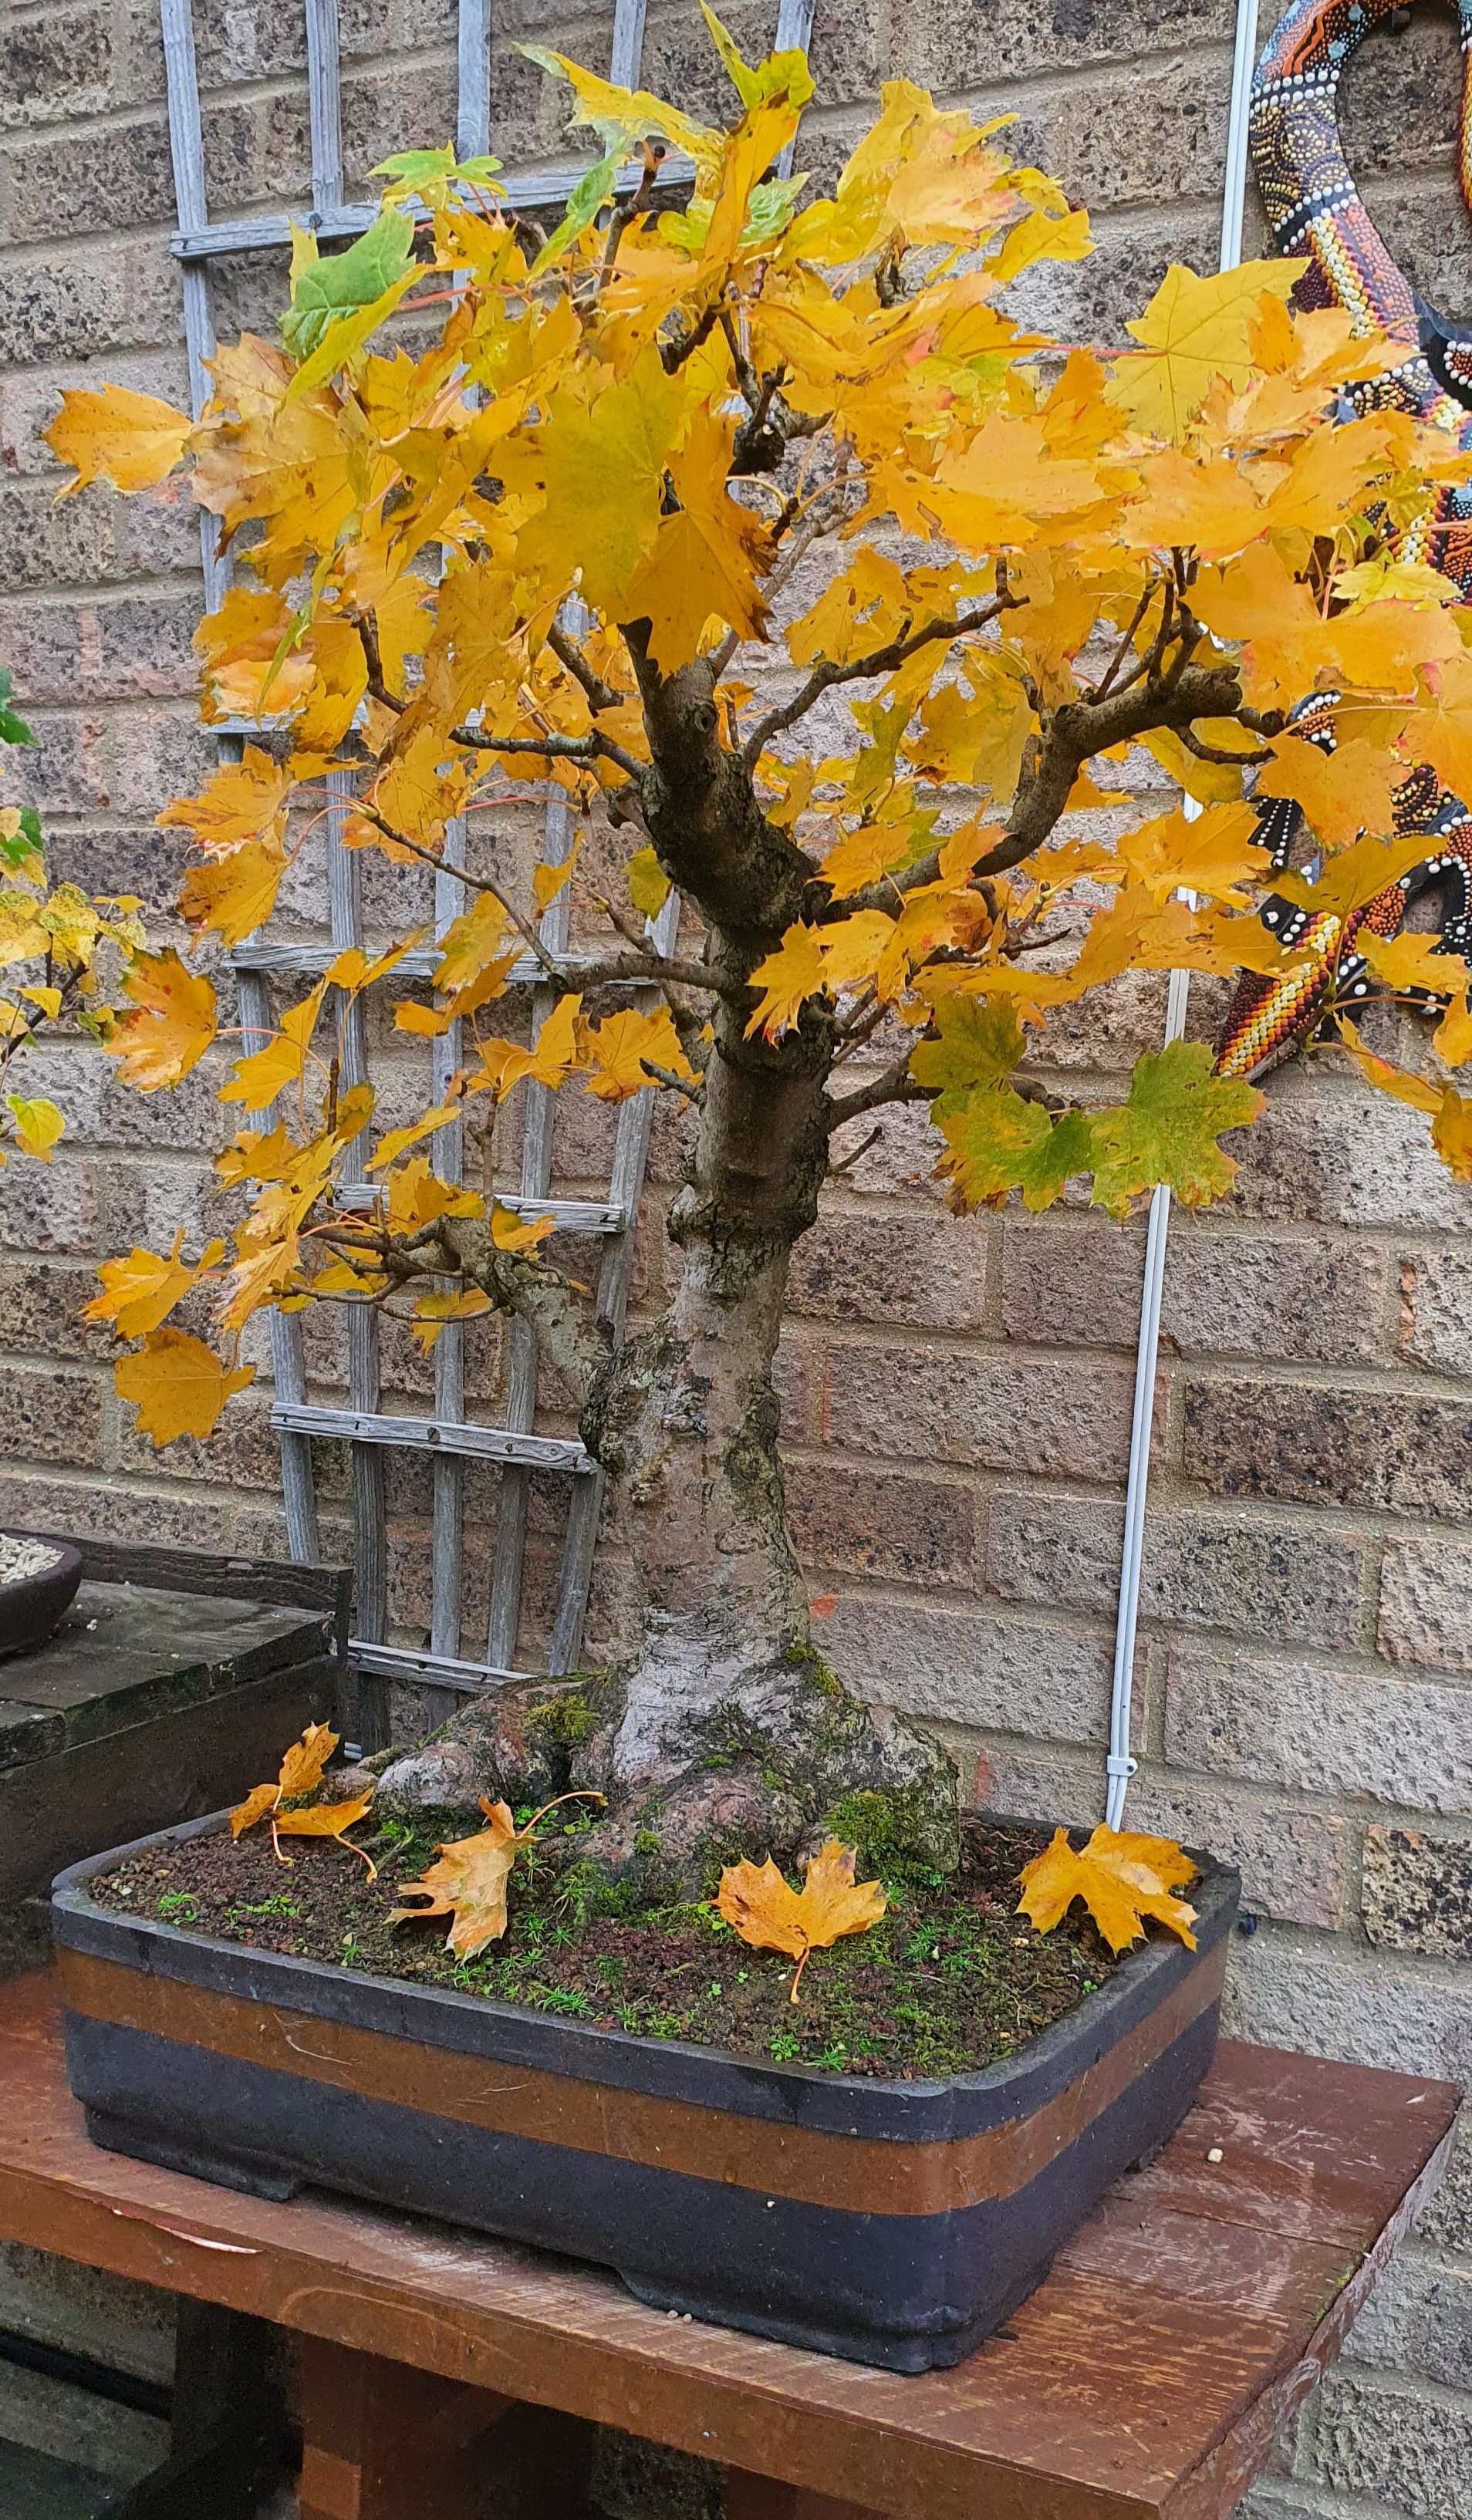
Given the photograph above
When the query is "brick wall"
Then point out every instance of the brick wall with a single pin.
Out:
(956, 1394)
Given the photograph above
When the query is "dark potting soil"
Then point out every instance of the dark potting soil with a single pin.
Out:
(950, 1980)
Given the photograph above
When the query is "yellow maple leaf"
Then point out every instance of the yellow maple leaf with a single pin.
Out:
(1195, 331)
(1215, 856)
(178, 1385)
(416, 1196)
(141, 1291)
(37, 1124)
(234, 895)
(510, 1230)
(648, 883)
(433, 1314)
(765, 1911)
(1121, 1878)
(603, 468)
(786, 979)
(256, 1080)
(619, 1046)
(705, 558)
(1453, 1039)
(1412, 961)
(549, 1061)
(130, 439)
(172, 1027)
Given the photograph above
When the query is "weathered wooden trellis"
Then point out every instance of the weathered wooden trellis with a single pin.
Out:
(442, 1672)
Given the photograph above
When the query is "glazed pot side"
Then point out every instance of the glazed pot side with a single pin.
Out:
(890, 2223)
(32, 1608)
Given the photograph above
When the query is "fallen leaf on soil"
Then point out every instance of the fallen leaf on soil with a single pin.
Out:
(301, 1772)
(469, 1883)
(1122, 1879)
(766, 1910)
(469, 1880)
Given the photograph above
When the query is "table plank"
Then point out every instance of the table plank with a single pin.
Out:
(1143, 2381)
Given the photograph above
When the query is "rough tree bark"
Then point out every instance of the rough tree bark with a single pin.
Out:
(727, 1732)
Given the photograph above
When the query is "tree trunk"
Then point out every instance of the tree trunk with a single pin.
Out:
(727, 1733)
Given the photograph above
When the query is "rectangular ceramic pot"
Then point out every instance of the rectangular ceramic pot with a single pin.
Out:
(891, 2222)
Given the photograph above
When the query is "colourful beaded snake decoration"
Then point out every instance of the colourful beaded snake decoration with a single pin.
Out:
(1315, 210)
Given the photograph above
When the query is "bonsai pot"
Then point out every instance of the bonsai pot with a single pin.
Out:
(891, 2222)
(32, 1606)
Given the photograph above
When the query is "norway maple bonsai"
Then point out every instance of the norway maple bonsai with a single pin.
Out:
(820, 588)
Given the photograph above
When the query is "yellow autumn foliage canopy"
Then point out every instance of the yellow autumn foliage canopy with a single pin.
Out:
(828, 598)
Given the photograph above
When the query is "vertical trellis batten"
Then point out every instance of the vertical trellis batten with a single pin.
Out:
(473, 115)
(323, 104)
(449, 1439)
(187, 145)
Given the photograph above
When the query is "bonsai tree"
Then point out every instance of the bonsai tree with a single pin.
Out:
(828, 595)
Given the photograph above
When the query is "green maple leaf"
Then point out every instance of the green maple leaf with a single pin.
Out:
(335, 287)
(1000, 1141)
(981, 1042)
(1166, 1131)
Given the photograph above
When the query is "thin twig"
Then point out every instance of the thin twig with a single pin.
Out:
(882, 660)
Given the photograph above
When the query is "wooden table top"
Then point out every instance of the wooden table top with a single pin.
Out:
(1147, 2376)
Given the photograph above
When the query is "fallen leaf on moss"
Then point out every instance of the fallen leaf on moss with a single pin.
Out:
(469, 1881)
(767, 1911)
(1121, 1878)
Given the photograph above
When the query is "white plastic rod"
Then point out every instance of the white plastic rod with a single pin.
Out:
(1120, 1765)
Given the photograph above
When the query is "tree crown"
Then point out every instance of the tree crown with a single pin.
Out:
(821, 588)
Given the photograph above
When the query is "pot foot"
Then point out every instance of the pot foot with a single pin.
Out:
(249, 2177)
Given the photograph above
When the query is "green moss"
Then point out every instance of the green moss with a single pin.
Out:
(567, 1718)
(891, 1829)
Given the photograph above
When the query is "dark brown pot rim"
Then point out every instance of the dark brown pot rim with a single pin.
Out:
(31, 1606)
(931, 2111)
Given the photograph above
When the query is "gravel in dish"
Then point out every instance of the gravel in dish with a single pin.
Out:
(20, 1559)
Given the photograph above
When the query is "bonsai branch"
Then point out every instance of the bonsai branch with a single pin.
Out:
(860, 669)
(894, 1085)
(516, 1283)
(600, 694)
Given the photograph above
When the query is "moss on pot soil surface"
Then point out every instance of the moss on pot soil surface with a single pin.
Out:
(950, 1980)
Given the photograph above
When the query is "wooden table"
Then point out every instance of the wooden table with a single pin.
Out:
(1148, 2376)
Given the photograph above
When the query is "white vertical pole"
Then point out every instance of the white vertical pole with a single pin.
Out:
(1120, 1765)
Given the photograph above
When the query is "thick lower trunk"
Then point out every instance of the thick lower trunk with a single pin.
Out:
(724, 1733)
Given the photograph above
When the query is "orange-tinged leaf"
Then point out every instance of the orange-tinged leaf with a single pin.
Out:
(1215, 856)
(173, 1026)
(178, 1385)
(468, 1883)
(1453, 1039)
(324, 1819)
(1121, 1878)
(786, 979)
(549, 1061)
(433, 1312)
(130, 439)
(245, 800)
(305, 1761)
(416, 1195)
(1451, 1134)
(765, 1911)
(1342, 792)
(258, 1801)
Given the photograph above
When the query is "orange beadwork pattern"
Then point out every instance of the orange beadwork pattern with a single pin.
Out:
(1317, 213)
